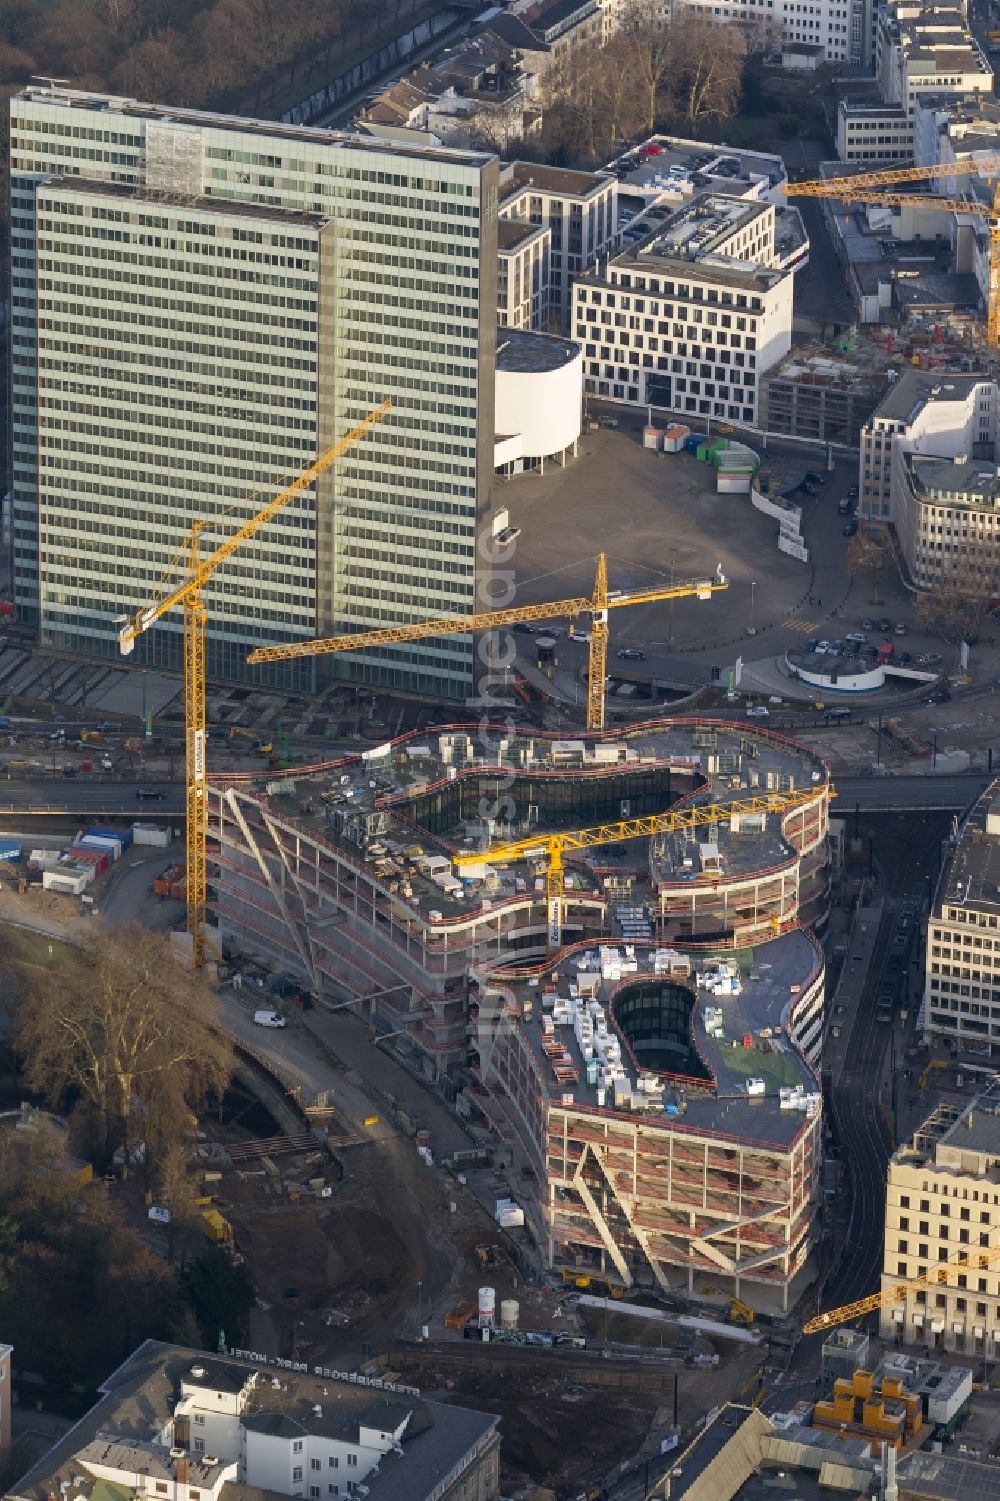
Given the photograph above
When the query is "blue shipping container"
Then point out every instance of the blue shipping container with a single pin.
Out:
(124, 836)
(10, 851)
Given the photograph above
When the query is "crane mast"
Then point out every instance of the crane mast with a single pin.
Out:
(189, 596)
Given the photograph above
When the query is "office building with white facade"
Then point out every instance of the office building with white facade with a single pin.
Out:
(580, 211)
(928, 466)
(200, 305)
(942, 1204)
(172, 1424)
(690, 317)
(921, 55)
(826, 24)
(962, 960)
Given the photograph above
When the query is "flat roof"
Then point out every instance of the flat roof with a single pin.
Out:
(513, 233)
(915, 388)
(978, 478)
(971, 873)
(666, 164)
(697, 228)
(68, 98)
(775, 974)
(942, 1477)
(524, 351)
(377, 788)
(518, 177)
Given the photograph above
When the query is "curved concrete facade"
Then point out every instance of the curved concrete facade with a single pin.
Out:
(539, 395)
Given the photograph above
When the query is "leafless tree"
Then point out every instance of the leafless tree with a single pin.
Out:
(130, 1030)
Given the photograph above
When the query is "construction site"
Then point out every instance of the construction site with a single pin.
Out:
(474, 899)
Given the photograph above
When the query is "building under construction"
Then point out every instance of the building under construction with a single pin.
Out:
(651, 1051)
(814, 393)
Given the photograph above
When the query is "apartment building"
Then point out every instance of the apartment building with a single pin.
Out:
(176, 1425)
(932, 414)
(691, 317)
(962, 960)
(942, 1205)
(580, 211)
(185, 339)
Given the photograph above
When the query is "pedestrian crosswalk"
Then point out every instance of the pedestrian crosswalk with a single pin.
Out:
(806, 627)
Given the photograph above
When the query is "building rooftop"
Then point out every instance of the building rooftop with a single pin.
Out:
(531, 353)
(138, 1400)
(941, 1477)
(403, 809)
(976, 481)
(671, 165)
(518, 177)
(915, 388)
(701, 226)
(970, 876)
(60, 96)
(701, 1076)
(512, 234)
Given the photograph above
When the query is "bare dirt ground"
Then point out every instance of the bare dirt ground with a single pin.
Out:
(565, 1421)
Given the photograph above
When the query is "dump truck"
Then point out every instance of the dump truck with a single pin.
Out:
(216, 1227)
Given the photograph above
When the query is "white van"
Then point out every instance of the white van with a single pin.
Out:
(268, 1019)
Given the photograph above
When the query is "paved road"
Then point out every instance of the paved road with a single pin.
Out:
(76, 796)
(893, 793)
(118, 799)
(907, 853)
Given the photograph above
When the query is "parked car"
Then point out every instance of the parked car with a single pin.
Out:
(844, 506)
(758, 711)
(885, 624)
(867, 625)
(150, 792)
(853, 492)
(814, 479)
(522, 628)
(813, 644)
(843, 713)
(850, 529)
(857, 636)
(508, 534)
(929, 659)
(900, 628)
(822, 647)
(579, 635)
(631, 654)
(939, 696)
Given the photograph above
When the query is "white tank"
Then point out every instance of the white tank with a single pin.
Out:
(487, 1304)
(510, 1313)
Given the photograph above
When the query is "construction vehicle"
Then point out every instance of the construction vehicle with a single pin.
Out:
(929, 1068)
(170, 882)
(585, 1283)
(938, 1276)
(596, 608)
(189, 596)
(490, 1258)
(216, 1227)
(879, 187)
(553, 847)
(740, 1313)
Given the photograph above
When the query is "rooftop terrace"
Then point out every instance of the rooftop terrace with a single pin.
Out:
(639, 1029)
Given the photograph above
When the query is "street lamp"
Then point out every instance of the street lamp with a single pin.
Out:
(753, 591)
(934, 753)
(420, 1320)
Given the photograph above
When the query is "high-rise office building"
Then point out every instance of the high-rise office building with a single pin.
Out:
(201, 304)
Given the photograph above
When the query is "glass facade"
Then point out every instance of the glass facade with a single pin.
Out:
(200, 305)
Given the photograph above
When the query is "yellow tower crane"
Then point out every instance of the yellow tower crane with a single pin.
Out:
(189, 595)
(554, 846)
(898, 1293)
(596, 607)
(879, 187)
